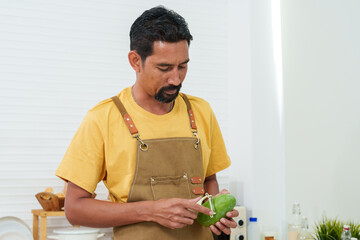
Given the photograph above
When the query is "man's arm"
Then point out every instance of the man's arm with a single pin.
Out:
(81, 209)
(212, 187)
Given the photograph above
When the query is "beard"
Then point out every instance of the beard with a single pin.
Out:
(163, 97)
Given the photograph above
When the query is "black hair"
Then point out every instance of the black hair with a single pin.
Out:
(157, 24)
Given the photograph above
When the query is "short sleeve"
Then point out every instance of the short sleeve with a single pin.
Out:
(219, 159)
(83, 163)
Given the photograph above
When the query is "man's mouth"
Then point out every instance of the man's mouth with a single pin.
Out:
(171, 92)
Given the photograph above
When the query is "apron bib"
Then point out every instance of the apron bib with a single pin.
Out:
(165, 168)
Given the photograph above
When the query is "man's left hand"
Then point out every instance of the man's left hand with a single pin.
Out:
(225, 224)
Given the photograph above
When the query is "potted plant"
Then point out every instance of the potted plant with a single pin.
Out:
(331, 229)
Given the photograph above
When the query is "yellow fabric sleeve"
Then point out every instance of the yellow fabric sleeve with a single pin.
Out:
(83, 163)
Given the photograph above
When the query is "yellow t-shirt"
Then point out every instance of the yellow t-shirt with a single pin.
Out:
(103, 149)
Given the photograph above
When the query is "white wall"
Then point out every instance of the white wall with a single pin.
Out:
(255, 134)
(239, 141)
(268, 145)
(322, 115)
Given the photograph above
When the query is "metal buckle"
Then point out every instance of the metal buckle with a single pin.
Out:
(143, 146)
(197, 141)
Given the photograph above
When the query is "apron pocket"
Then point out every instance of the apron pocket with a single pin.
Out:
(170, 187)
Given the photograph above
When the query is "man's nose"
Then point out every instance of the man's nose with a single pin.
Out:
(174, 78)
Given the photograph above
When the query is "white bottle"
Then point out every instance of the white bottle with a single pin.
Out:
(295, 224)
(253, 230)
(304, 231)
(346, 234)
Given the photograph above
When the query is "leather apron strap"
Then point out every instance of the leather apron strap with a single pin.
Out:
(128, 121)
(190, 113)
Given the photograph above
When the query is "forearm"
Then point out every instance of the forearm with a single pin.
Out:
(81, 209)
(96, 213)
(211, 185)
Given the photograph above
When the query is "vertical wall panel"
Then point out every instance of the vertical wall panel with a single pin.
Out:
(321, 100)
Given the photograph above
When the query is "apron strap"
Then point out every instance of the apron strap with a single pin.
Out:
(128, 121)
(190, 112)
(130, 124)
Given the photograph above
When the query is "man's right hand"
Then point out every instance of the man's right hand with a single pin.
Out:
(176, 212)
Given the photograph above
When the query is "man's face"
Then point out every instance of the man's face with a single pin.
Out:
(164, 71)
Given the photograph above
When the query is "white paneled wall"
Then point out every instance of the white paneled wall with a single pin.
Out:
(59, 58)
(322, 114)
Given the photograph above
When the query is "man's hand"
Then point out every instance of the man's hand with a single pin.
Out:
(225, 224)
(176, 212)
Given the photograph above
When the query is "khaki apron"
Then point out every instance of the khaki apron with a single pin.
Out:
(165, 168)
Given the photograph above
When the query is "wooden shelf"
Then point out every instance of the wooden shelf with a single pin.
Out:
(43, 222)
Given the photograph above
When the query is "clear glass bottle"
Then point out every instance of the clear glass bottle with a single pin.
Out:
(346, 234)
(304, 233)
(253, 229)
(295, 223)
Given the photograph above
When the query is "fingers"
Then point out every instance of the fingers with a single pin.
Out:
(177, 221)
(224, 225)
(186, 213)
(223, 228)
(224, 191)
(181, 221)
(172, 225)
(215, 230)
(177, 213)
(232, 214)
(229, 223)
(198, 208)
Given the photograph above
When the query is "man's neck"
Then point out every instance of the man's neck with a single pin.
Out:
(149, 103)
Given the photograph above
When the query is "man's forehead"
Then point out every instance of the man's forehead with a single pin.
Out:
(169, 53)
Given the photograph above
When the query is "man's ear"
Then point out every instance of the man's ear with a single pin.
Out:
(135, 60)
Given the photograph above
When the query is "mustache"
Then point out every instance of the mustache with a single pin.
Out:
(171, 87)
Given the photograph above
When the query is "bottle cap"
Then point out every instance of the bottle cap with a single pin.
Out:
(269, 234)
(253, 219)
(346, 227)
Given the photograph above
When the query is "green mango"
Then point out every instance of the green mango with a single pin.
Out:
(222, 204)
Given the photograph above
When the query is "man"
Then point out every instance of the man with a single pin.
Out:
(157, 153)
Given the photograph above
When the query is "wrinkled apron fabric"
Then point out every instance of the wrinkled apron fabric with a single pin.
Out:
(165, 168)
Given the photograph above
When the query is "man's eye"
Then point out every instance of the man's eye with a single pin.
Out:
(182, 67)
(164, 69)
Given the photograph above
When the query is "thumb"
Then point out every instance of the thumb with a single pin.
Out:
(224, 191)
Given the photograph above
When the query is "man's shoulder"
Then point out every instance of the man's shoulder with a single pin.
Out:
(198, 104)
(102, 106)
(106, 105)
(194, 99)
